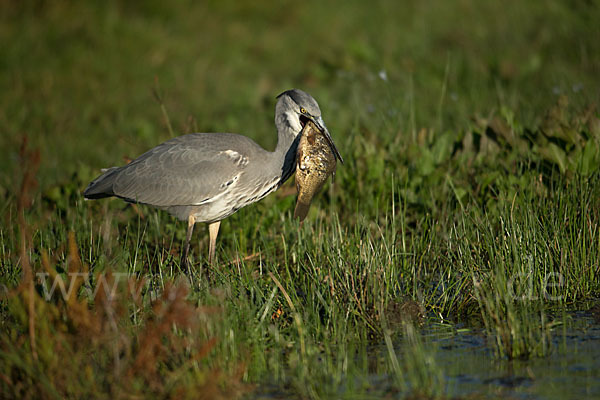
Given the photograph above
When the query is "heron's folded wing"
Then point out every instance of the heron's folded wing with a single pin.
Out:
(180, 172)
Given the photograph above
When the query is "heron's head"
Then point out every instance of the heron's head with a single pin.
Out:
(295, 108)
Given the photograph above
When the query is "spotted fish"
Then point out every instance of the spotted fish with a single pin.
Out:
(315, 162)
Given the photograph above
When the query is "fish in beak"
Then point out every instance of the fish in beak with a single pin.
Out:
(315, 162)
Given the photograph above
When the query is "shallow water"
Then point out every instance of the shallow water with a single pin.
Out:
(571, 371)
(470, 370)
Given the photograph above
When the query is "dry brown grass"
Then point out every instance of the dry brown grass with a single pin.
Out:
(109, 345)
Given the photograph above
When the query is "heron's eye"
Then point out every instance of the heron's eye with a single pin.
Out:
(303, 110)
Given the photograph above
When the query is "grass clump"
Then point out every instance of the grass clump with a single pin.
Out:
(524, 261)
(65, 345)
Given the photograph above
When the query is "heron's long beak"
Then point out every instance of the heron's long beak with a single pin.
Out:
(321, 125)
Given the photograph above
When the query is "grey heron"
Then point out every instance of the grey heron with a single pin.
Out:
(206, 177)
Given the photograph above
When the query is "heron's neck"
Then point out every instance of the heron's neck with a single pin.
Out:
(285, 152)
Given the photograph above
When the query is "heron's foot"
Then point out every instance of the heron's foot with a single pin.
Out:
(247, 258)
(185, 266)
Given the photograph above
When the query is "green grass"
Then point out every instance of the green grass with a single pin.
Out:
(471, 186)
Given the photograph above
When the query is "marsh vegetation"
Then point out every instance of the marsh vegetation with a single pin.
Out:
(464, 220)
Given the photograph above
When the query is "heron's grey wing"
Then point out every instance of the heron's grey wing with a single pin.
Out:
(188, 170)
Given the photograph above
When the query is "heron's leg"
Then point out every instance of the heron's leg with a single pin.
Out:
(213, 230)
(188, 237)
